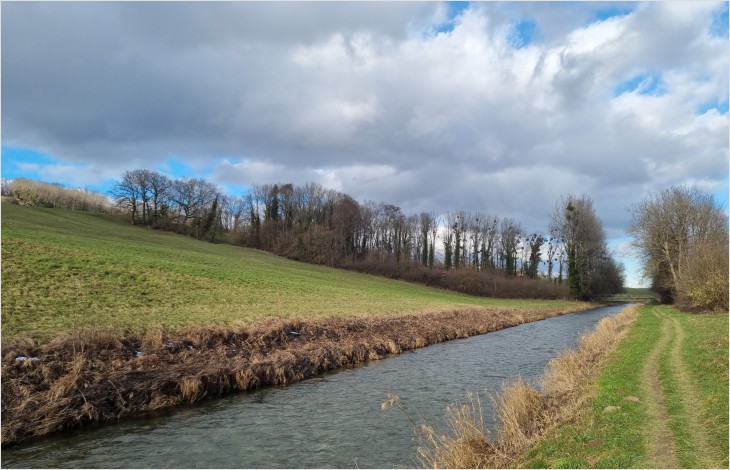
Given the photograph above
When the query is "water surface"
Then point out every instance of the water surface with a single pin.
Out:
(332, 421)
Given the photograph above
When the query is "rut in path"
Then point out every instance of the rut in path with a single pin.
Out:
(662, 448)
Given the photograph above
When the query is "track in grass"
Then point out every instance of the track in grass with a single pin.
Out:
(667, 388)
(662, 447)
(682, 440)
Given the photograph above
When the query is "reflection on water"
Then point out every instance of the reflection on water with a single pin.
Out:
(332, 421)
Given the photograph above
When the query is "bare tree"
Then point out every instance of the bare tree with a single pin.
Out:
(159, 187)
(669, 228)
(509, 237)
(125, 194)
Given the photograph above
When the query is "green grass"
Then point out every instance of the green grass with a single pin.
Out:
(64, 270)
(706, 355)
(621, 439)
(638, 291)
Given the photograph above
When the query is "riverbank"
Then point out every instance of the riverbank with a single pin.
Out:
(660, 402)
(99, 375)
(524, 415)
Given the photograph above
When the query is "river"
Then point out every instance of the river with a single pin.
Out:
(332, 421)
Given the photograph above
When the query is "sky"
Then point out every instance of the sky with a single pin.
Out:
(494, 107)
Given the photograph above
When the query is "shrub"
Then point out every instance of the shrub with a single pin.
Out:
(704, 282)
(37, 193)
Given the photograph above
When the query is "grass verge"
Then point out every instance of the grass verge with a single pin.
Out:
(692, 367)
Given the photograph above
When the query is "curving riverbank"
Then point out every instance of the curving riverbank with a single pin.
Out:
(101, 376)
(524, 414)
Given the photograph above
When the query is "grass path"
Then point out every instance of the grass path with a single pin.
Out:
(662, 448)
(689, 427)
(667, 384)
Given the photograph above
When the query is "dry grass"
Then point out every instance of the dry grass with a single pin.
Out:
(523, 413)
(190, 388)
(469, 446)
(97, 375)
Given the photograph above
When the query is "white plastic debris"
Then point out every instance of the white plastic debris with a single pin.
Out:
(23, 358)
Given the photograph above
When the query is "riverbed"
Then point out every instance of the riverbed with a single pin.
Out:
(331, 421)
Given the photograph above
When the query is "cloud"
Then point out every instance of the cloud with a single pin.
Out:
(418, 104)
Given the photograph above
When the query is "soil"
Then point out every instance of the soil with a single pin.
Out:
(102, 376)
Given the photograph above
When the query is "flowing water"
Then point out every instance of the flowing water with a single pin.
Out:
(332, 421)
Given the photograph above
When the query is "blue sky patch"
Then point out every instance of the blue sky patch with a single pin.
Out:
(23, 163)
(643, 84)
(719, 25)
(720, 105)
(236, 190)
(603, 14)
(454, 10)
(523, 34)
(175, 168)
(20, 162)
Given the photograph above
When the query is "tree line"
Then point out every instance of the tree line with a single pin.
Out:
(680, 234)
(473, 252)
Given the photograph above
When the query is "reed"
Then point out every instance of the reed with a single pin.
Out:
(524, 414)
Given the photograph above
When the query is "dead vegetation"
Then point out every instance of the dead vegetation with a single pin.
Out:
(523, 414)
(101, 375)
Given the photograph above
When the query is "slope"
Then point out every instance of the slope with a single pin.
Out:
(64, 271)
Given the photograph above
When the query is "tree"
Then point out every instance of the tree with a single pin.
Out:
(193, 198)
(509, 238)
(159, 186)
(125, 194)
(210, 223)
(552, 253)
(6, 191)
(673, 231)
(575, 222)
(143, 180)
(534, 242)
(426, 222)
(448, 249)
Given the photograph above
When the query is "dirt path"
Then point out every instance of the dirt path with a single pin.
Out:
(662, 448)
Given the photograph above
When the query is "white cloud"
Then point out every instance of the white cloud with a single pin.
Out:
(372, 100)
(75, 175)
(29, 166)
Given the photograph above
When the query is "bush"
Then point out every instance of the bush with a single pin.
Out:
(37, 193)
(703, 286)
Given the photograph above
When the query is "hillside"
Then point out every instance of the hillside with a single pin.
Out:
(64, 270)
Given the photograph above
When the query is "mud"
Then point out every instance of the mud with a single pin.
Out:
(102, 376)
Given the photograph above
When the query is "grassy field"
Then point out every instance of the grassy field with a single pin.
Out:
(64, 270)
(676, 365)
